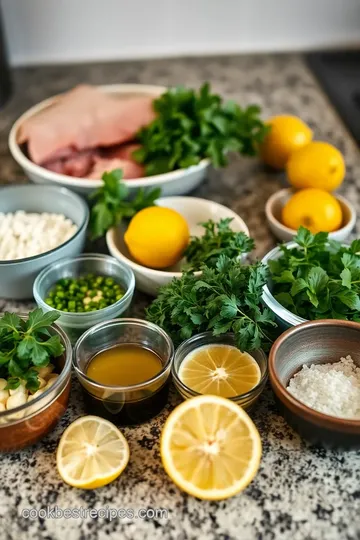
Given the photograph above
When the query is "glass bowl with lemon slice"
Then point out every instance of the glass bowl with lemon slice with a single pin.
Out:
(208, 364)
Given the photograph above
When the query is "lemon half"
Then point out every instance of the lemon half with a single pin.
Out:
(92, 452)
(210, 447)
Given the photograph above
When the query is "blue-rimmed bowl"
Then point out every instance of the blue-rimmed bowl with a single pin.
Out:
(17, 276)
(75, 324)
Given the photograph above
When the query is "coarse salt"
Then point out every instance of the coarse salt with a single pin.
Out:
(332, 389)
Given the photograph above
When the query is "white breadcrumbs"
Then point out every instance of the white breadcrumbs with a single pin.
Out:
(332, 389)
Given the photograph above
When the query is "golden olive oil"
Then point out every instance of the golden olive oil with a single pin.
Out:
(126, 365)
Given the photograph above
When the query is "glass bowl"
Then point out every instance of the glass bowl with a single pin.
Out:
(132, 404)
(246, 400)
(27, 424)
(75, 324)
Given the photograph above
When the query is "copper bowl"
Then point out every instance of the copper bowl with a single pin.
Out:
(321, 341)
(27, 424)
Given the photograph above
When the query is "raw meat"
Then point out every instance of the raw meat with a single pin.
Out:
(84, 118)
(130, 168)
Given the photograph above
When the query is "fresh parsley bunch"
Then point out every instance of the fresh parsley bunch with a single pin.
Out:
(319, 279)
(219, 239)
(224, 299)
(111, 205)
(192, 125)
(26, 345)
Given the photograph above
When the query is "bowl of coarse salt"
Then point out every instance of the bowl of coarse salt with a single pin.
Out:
(314, 370)
(38, 226)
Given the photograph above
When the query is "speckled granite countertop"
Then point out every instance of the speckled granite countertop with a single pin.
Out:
(300, 492)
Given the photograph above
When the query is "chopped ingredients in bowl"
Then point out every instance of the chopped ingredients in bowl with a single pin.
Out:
(332, 388)
(26, 234)
(84, 293)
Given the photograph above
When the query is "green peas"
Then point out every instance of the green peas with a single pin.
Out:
(84, 293)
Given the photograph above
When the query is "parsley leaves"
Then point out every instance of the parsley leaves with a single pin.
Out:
(26, 345)
(192, 125)
(218, 239)
(319, 278)
(111, 207)
(226, 298)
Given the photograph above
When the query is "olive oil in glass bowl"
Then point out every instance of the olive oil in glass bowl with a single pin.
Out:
(123, 366)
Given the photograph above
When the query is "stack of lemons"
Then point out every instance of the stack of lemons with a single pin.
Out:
(314, 168)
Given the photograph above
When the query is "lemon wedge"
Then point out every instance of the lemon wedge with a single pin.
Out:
(210, 447)
(221, 370)
(92, 452)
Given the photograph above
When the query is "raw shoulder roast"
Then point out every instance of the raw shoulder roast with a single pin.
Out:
(72, 136)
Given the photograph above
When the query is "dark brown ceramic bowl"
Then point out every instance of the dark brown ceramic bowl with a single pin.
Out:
(318, 342)
(27, 424)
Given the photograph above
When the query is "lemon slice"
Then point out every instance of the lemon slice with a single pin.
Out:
(221, 370)
(210, 447)
(92, 452)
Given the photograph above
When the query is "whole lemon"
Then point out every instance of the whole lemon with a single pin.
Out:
(157, 237)
(288, 133)
(315, 209)
(317, 165)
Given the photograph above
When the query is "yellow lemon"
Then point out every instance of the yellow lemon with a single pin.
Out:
(315, 209)
(157, 237)
(222, 370)
(288, 133)
(210, 447)
(92, 452)
(317, 165)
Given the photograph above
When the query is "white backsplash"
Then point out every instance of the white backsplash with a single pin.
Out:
(45, 31)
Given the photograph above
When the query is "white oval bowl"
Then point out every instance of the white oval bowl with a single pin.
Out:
(195, 211)
(277, 201)
(176, 182)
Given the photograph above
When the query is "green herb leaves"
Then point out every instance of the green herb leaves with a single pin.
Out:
(26, 345)
(318, 278)
(111, 207)
(218, 239)
(226, 298)
(193, 125)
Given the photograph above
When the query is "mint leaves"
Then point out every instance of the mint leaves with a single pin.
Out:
(318, 279)
(111, 205)
(226, 298)
(192, 125)
(218, 239)
(25, 345)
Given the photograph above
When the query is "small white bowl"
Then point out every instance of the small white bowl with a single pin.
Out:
(276, 203)
(176, 182)
(195, 211)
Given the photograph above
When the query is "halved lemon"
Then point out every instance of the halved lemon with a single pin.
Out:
(92, 452)
(222, 370)
(210, 447)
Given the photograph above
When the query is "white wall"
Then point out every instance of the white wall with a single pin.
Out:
(44, 31)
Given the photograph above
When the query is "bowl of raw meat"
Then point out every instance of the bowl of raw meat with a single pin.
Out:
(73, 138)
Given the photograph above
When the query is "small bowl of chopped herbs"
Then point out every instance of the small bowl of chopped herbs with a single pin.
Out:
(85, 291)
(35, 371)
(311, 278)
(314, 370)
(215, 230)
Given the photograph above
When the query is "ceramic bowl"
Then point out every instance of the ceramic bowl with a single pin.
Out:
(195, 211)
(17, 276)
(277, 201)
(27, 424)
(320, 341)
(176, 182)
(75, 324)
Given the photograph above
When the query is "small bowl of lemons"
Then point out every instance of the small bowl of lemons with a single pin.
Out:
(154, 241)
(317, 210)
